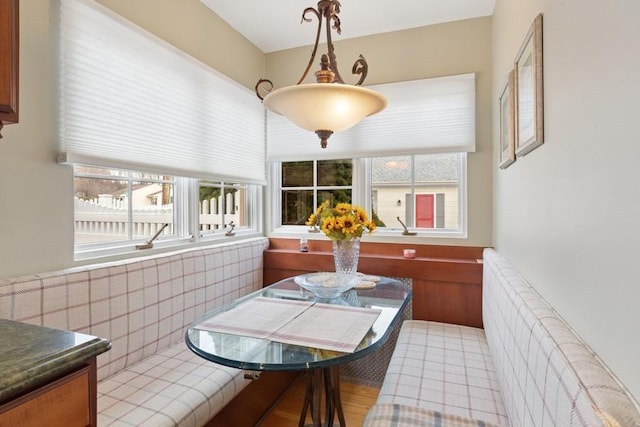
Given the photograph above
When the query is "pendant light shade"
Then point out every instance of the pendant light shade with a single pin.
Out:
(329, 105)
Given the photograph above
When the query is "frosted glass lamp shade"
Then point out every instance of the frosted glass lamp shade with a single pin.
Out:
(325, 106)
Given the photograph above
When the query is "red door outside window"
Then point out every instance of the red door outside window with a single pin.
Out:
(424, 210)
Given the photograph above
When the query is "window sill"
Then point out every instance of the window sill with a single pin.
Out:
(388, 235)
(125, 251)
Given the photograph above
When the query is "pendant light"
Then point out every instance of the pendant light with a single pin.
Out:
(329, 105)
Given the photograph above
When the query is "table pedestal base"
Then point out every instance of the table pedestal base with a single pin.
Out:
(316, 378)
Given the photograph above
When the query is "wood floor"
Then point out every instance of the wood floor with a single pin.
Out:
(356, 401)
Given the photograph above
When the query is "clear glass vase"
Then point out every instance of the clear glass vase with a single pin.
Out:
(345, 257)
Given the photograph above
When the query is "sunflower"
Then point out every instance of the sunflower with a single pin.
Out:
(343, 222)
(313, 220)
(328, 225)
(347, 224)
(343, 208)
(361, 214)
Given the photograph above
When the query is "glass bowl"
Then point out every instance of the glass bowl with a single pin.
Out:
(326, 285)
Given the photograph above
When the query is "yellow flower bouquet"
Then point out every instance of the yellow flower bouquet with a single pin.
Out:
(342, 222)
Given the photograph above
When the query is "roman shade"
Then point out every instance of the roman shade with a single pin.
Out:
(130, 100)
(435, 115)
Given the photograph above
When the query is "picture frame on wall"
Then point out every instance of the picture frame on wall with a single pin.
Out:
(507, 124)
(529, 113)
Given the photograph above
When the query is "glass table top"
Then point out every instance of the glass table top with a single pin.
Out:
(390, 296)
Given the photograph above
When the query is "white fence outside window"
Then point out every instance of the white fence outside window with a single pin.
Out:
(108, 216)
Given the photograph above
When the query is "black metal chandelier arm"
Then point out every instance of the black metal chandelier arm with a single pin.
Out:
(333, 62)
(360, 67)
(318, 15)
(315, 11)
(263, 88)
(336, 10)
(337, 24)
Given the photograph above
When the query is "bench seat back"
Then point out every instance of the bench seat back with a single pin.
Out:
(142, 305)
(548, 375)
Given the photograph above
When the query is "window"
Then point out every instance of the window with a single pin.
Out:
(118, 85)
(116, 209)
(117, 206)
(426, 192)
(409, 161)
(423, 191)
(307, 184)
(222, 206)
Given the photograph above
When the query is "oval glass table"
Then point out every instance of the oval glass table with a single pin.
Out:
(239, 335)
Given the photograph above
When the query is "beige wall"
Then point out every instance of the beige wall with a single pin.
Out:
(568, 214)
(438, 50)
(31, 181)
(554, 216)
(36, 194)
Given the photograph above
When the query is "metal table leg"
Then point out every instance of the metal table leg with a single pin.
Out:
(316, 379)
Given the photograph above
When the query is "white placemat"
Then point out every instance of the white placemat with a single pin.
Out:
(330, 327)
(257, 318)
(326, 326)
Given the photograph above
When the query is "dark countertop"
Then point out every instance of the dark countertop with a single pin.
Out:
(33, 355)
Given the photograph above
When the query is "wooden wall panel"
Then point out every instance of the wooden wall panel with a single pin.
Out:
(448, 302)
(447, 280)
(386, 249)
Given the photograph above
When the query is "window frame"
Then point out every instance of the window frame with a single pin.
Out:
(361, 190)
(208, 234)
(186, 220)
(314, 188)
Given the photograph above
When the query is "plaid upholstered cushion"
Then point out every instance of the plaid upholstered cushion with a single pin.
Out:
(444, 368)
(526, 369)
(174, 387)
(548, 375)
(143, 305)
(394, 415)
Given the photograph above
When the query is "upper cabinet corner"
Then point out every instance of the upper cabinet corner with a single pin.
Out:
(9, 61)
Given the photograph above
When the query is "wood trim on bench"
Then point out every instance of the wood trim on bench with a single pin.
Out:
(255, 401)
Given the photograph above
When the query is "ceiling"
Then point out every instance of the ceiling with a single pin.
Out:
(272, 29)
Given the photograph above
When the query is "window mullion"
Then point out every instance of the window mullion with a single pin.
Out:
(412, 206)
(315, 185)
(129, 206)
(187, 212)
(360, 187)
(274, 204)
(223, 207)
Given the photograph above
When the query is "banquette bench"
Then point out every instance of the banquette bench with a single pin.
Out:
(526, 368)
(143, 306)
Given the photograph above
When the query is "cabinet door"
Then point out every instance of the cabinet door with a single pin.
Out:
(9, 50)
(65, 402)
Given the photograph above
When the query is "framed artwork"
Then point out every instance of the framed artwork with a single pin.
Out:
(528, 91)
(507, 124)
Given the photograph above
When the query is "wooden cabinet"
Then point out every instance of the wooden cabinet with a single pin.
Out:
(9, 60)
(65, 402)
(48, 377)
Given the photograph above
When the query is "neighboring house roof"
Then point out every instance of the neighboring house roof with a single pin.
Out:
(428, 168)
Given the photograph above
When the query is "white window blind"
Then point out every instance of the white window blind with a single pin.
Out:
(130, 100)
(423, 116)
